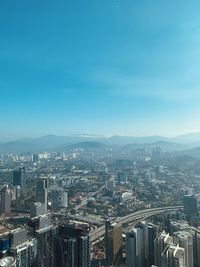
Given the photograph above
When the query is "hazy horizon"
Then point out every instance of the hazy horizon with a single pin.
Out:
(96, 136)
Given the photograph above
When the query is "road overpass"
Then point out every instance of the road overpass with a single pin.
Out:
(86, 219)
(126, 221)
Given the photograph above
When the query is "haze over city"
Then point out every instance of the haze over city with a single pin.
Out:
(99, 133)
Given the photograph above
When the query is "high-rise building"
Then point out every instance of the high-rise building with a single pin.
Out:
(37, 209)
(110, 187)
(59, 198)
(131, 249)
(160, 243)
(42, 191)
(147, 176)
(137, 246)
(16, 192)
(167, 253)
(113, 243)
(173, 256)
(23, 247)
(45, 234)
(5, 201)
(45, 248)
(19, 178)
(35, 158)
(196, 245)
(190, 206)
(18, 236)
(26, 253)
(152, 233)
(5, 241)
(73, 245)
(184, 239)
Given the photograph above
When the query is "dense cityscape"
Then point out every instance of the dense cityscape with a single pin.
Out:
(99, 133)
(98, 205)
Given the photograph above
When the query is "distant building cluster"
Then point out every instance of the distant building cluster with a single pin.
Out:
(99, 208)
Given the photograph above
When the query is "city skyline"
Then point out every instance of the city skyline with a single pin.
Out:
(101, 67)
(99, 133)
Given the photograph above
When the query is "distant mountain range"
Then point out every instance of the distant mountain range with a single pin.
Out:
(54, 142)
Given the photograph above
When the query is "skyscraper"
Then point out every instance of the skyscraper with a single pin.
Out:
(73, 245)
(184, 239)
(59, 198)
(110, 187)
(19, 178)
(113, 243)
(4, 240)
(45, 246)
(173, 256)
(131, 249)
(152, 233)
(26, 253)
(190, 205)
(160, 243)
(137, 246)
(196, 245)
(45, 234)
(5, 201)
(37, 209)
(42, 191)
(35, 158)
(24, 248)
(168, 253)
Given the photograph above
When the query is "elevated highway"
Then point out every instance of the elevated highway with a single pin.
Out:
(130, 219)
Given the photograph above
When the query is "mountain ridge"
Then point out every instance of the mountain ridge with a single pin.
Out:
(50, 142)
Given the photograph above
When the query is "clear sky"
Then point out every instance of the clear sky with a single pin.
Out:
(99, 66)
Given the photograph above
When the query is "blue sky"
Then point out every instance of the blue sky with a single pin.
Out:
(99, 66)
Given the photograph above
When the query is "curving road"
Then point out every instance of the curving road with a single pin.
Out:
(135, 216)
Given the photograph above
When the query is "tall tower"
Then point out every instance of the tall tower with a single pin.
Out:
(160, 243)
(45, 234)
(5, 201)
(73, 245)
(59, 198)
(23, 248)
(184, 239)
(196, 245)
(19, 178)
(138, 246)
(110, 187)
(45, 248)
(152, 233)
(173, 256)
(42, 191)
(190, 206)
(113, 243)
(26, 253)
(131, 250)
